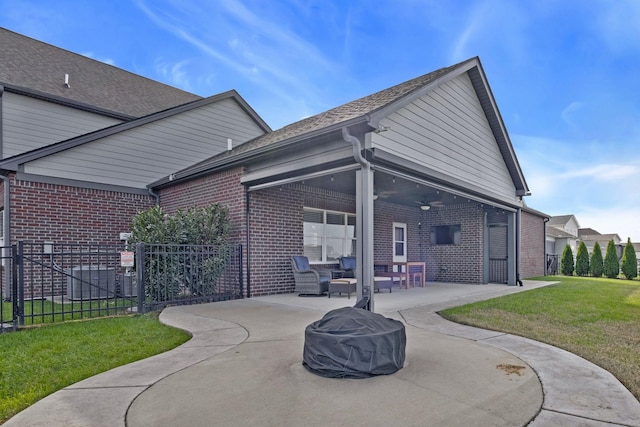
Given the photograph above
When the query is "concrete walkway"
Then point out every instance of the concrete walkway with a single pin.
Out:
(243, 367)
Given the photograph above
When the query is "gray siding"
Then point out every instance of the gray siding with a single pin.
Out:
(447, 131)
(139, 156)
(30, 123)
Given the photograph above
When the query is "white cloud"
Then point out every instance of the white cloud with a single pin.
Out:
(175, 73)
(569, 111)
(605, 172)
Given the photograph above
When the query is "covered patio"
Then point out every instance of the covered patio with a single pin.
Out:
(421, 172)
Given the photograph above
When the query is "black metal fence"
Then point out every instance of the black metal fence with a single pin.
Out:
(552, 264)
(47, 282)
(188, 274)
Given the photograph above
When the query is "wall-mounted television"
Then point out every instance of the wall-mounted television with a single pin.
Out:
(445, 234)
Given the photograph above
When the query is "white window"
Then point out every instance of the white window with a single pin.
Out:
(328, 235)
(399, 242)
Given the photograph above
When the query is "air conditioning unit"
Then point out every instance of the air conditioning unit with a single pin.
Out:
(127, 287)
(91, 282)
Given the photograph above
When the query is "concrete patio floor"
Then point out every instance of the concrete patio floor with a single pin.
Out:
(243, 367)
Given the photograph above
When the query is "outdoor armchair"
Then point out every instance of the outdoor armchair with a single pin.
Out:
(347, 266)
(309, 281)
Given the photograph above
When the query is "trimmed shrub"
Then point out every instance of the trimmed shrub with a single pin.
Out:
(195, 270)
(611, 265)
(629, 261)
(582, 260)
(566, 263)
(596, 265)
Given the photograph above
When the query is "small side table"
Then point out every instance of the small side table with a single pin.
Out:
(339, 286)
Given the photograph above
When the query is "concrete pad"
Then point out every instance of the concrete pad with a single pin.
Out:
(102, 407)
(444, 382)
(573, 385)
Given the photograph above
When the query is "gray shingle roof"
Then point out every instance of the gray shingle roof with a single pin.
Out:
(33, 65)
(351, 110)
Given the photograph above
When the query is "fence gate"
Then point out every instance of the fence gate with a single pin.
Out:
(498, 254)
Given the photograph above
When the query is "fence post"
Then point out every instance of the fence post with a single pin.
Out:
(18, 283)
(240, 271)
(140, 276)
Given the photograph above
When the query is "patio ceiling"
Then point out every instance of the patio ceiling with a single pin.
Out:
(389, 188)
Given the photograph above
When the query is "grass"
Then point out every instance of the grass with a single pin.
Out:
(38, 361)
(45, 311)
(597, 319)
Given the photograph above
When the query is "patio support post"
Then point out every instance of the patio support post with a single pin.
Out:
(364, 220)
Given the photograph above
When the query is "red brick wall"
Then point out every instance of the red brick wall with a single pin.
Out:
(223, 188)
(532, 250)
(461, 263)
(62, 214)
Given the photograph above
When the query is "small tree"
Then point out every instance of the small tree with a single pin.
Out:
(566, 264)
(582, 260)
(629, 261)
(611, 265)
(596, 265)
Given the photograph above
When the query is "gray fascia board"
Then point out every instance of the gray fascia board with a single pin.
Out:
(67, 103)
(376, 116)
(21, 176)
(235, 160)
(14, 162)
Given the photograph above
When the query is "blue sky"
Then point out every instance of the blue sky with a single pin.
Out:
(564, 73)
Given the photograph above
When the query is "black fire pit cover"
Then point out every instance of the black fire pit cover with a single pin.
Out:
(354, 343)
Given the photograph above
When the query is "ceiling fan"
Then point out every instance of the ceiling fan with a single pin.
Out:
(427, 203)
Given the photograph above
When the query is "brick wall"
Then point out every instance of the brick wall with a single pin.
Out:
(223, 188)
(532, 245)
(63, 214)
(461, 263)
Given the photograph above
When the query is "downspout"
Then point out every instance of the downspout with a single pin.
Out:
(247, 252)
(7, 231)
(366, 166)
(518, 231)
(154, 195)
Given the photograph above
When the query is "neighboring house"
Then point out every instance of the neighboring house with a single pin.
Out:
(590, 237)
(561, 231)
(81, 140)
(422, 171)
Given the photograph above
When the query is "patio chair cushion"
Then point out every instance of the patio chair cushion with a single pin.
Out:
(348, 263)
(302, 263)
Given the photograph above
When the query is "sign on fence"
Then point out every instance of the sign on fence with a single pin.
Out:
(126, 259)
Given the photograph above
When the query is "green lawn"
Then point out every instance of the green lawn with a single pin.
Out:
(45, 311)
(597, 319)
(38, 361)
